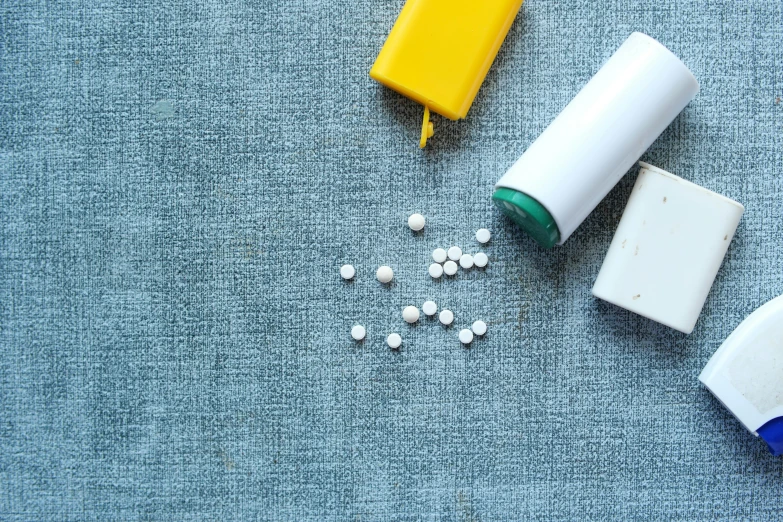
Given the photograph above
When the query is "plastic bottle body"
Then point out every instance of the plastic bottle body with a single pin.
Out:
(602, 132)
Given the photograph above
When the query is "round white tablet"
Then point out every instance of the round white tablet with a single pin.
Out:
(429, 308)
(358, 332)
(410, 314)
(394, 341)
(465, 336)
(483, 235)
(450, 267)
(439, 255)
(455, 253)
(446, 317)
(466, 261)
(416, 222)
(435, 270)
(384, 274)
(479, 327)
(480, 260)
(347, 272)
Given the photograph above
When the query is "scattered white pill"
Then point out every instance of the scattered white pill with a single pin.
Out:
(455, 253)
(384, 274)
(446, 317)
(483, 235)
(465, 336)
(429, 308)
(358, 332)
(439, 255)
(480, 260)
(394, 341)
(450, 267)
(436, 270)
(416, 222)
(347, 272)
(466, 261)
(410, 314)
(479, 327)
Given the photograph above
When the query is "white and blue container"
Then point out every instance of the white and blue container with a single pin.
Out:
(746, 374)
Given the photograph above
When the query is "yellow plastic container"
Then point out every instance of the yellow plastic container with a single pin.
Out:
(439, 52)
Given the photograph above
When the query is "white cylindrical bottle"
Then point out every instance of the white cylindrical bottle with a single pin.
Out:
(605, 129)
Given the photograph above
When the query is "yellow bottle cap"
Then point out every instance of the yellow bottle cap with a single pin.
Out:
(439, 52)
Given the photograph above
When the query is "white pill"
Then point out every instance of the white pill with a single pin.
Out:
(410, 314)
(450, 267)
(455, 253)
(384, 274)
(429, 308)
(465, 336)
(480, 260)
(347, 272)
(358, 332)
(466, 261)
(446, 317)
(439, 255)
(394, 341)
(483, 235)
(435, 270)
(479, 327)
(416, 222)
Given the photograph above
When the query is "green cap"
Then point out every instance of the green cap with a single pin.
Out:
(529, 214)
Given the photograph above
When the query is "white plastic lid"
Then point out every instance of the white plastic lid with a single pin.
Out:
(667, 249)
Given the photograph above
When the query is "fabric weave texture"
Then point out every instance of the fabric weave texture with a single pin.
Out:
(179, 185)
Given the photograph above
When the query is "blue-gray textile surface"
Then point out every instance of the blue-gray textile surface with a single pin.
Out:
(179, 185)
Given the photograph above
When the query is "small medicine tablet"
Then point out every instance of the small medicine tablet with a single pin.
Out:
(394, 341)
(446, 317)
(439, 255)
(429, 308)
(410, 314)
(483, 235)
(479, 327)
(384, 274)
(435, 270)
(480, 260)
(358, 332)
(466, 261)
(450, 267)
(416, 222)
(465, 336)
(347, 272)
(455, 253)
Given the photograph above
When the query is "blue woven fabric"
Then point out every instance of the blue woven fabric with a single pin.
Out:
(179, 184)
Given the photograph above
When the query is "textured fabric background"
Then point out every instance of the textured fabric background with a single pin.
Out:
(179, 184)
